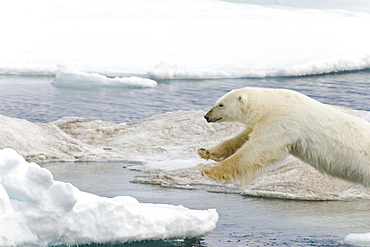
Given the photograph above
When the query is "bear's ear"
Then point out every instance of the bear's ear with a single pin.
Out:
(242, 98)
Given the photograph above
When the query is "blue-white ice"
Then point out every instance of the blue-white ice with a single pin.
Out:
(35, 210)
(184, 39)
(358, 239)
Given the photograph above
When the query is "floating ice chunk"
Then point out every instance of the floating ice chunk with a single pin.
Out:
(358, 239)
(68, 77)
(36, 210)
(129, 220)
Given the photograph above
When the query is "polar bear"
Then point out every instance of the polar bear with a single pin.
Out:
(281, 122)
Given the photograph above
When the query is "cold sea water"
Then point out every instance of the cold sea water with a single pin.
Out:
(34, 98)
(244, 221)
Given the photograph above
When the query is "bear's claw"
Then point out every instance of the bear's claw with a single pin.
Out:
(207, 154)
(204, 169)
(204, 153)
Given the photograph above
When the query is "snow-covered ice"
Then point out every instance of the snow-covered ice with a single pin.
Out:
(358, 239)
(36, 210)
(68, 77)
(184, 39)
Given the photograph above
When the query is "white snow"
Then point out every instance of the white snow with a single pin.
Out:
(68, 77)
(358, 239)
(183, 39)
(36, 210)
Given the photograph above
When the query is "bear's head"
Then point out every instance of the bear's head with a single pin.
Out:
(229, 108)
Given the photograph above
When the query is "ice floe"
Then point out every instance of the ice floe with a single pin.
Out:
(358, 239)
(37, 210)
(68, 77)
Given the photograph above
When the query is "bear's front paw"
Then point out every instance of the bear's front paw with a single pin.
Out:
(208, 154)
(204, 153)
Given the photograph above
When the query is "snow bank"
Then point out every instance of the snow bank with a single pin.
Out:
(184, 39)
(68, 77)
(167, 70)
(36, 210)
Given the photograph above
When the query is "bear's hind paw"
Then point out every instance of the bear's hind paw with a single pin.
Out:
(214, 174)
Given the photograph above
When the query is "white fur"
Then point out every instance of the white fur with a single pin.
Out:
(279, 122)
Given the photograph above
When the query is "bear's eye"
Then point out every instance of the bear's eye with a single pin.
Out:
(221, 105)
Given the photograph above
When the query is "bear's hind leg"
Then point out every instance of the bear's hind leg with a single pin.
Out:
(227, 148)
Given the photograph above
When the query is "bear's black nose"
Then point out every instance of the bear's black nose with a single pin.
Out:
(207, 118)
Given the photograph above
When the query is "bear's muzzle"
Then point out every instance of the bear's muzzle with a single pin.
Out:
(212, 120)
